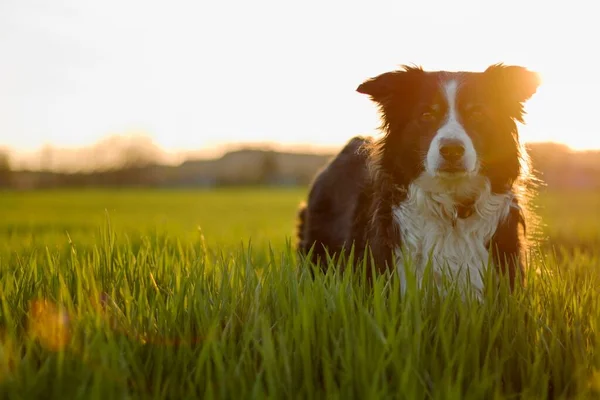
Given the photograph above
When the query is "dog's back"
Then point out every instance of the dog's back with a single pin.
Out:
(325, 220)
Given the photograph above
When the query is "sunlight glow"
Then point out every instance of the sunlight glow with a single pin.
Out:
(49, 324)
(193, 75)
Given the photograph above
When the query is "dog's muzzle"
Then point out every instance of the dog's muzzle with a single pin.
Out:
(452, 153)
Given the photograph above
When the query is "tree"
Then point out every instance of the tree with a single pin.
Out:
(5, 170)
(46, 158)
(268, 168)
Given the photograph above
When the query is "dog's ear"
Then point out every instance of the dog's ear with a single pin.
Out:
(513, 83)
(386, 85)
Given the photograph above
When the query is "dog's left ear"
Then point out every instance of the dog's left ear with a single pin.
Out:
(402, 82)
(513, 83)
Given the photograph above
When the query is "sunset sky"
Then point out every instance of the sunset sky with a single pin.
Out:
(197, 74)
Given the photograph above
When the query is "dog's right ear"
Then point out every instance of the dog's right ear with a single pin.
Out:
(388, 84)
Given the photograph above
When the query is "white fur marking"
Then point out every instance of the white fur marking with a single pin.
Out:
(451, 129)
(425, 228)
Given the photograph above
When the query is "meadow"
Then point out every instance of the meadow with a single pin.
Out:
(179, 294)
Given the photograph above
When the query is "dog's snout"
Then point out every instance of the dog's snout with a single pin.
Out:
(452, 150)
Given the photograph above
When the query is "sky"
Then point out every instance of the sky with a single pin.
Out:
(200, 74)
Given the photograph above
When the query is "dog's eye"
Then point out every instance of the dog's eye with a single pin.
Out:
(427, 116)
(475, 113)
(430, 114)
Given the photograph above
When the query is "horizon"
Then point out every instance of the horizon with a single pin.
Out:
(69, 160)
(199, 77)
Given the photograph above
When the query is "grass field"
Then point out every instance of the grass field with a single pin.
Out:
(183, 294)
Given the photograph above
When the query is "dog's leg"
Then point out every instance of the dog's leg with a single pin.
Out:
(507, 245)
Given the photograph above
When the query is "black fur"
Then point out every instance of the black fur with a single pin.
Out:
(332, 202)
(506, 245)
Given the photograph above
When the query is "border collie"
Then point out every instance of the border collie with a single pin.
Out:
(441, 186)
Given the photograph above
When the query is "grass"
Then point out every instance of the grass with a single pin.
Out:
(118, 294)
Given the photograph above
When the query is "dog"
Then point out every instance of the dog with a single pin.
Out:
(441, 186)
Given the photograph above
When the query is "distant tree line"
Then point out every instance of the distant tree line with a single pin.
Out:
(133, 165)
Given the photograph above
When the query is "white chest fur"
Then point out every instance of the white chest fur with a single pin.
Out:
(428, 234)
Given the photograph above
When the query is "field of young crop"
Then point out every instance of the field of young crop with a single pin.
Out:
(197, 294)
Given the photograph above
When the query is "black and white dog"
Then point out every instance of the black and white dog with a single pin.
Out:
(441, 185)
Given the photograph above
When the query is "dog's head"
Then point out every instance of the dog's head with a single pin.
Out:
(452, 126)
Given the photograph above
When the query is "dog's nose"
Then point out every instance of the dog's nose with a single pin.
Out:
(452, 150)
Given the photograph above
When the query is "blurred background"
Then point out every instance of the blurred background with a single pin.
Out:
(206, 93)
